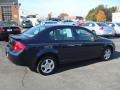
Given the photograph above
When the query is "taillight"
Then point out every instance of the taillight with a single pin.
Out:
(2, 30)
(101, 28)
(18, 46)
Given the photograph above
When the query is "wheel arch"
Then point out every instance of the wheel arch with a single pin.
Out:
(109, 46)
(47, 54)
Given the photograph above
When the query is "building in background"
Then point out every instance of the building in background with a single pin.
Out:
(116, 16)
(9, 10)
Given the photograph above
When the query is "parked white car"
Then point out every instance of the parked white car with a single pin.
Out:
(34, 19)
(115, 26)
(100, 28)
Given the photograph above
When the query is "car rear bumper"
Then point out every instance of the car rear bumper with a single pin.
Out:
(15, 57)
(21, 58)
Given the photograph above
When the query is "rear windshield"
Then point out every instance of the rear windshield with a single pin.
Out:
(118, 24)
(33, 31)
(101, 24)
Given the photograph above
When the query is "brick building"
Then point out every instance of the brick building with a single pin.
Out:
(9, 10)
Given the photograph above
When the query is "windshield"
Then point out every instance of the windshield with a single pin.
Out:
(33, 31)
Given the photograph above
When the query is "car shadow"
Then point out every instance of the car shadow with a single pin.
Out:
(65, 67)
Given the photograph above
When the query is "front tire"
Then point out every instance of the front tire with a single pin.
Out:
(47, 65)
(107, 53)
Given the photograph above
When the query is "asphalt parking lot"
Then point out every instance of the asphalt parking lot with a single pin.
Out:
(89, 75)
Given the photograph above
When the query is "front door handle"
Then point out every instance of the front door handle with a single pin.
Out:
(78, 44)
(74, 45)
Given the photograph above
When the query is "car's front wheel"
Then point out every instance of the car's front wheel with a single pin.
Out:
(107, 53)
(46, 66)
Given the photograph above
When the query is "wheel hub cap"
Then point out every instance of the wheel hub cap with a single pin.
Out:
(47, 66)
(107, 54)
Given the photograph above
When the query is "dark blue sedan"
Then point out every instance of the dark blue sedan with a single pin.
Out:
(42, 48)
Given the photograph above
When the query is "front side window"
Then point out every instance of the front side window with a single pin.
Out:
(84, 35)
(62, 34)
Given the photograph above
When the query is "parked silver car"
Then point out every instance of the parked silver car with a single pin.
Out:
(116, 27)
(100, 28)
(49, 22)
(69, 22)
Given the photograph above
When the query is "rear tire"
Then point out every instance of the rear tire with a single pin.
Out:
(47, 65)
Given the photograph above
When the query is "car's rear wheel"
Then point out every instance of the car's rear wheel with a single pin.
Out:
(107, 54)
(47, 65)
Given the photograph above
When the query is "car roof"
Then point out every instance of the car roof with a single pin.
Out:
(55, 25)
(59, 25)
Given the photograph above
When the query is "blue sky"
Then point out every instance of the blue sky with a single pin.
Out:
(72, 7)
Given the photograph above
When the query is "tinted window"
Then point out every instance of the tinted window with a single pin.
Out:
(33, 31)
(84, 35)
(31, 16)
(61, 34)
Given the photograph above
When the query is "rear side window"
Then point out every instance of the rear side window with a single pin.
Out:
(33, 31)
(61, 34)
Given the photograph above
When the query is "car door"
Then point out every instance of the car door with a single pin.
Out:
(65, 43)
(88, 47)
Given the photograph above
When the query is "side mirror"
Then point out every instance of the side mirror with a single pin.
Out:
(94, 38)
